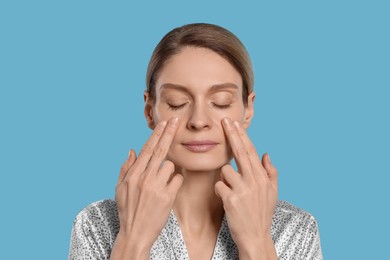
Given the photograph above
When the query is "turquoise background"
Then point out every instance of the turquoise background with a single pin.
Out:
(72, 79)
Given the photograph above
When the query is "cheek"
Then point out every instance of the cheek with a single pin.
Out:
(161, 113)
(234, 114)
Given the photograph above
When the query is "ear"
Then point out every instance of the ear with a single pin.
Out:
(249, 110)
(148, 110)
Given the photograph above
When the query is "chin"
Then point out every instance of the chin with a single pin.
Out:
(199, 166)
(200, 161)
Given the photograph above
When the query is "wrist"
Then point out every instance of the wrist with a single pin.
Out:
(263, 249)
(127, 246)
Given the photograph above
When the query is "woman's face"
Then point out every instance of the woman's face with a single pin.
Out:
(200, 88)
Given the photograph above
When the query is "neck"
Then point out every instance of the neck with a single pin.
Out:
(196, 204)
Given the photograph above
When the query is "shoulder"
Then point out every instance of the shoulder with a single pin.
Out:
(100, 217)
(295, 232)
(290, 216)
(287, 210)
(94, 231)
(99, 209)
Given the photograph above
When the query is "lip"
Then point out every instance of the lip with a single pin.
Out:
(200, 146)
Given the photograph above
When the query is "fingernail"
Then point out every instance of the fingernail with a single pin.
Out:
(226, 121)
(269, 158)
(128, 155)
(236, 124)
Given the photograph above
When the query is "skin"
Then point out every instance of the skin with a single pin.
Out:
(198, 97)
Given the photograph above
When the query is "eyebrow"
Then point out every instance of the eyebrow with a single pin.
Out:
(215, 87)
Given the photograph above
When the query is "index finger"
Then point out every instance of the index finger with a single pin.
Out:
(251, 150)
(148, 148)
(162, 147)
(239, 151)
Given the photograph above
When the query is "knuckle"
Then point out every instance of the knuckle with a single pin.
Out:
(243, 185)
(146, 188)
(240, 152)
(159, 151)
(118, 189)
(231, 201)
(219, 185)
(143, 184)
(125, 166)
(240, 132)
(124, 181)
(131, 178)
(147, 149)
(224, 173)
(251, 149)
(169, 166)
(178, 180)
(170, 129)
(230, 130)
(226, 168)
(158, 132)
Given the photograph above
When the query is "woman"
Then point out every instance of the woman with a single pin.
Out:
(181, 198)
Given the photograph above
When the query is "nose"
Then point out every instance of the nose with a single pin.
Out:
(199, 118)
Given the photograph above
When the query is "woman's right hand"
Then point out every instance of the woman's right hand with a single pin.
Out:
(145, 194)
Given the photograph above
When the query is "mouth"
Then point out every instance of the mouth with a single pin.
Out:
(200, 146)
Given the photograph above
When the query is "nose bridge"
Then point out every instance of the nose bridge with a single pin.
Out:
(199, 116)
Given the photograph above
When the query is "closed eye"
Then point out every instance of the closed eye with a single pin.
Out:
(221, 106)
(176, 107)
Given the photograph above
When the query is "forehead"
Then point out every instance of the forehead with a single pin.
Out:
(198, 69)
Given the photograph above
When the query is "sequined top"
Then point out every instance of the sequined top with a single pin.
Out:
(294, 232)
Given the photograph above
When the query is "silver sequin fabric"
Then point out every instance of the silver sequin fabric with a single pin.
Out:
(294, 232)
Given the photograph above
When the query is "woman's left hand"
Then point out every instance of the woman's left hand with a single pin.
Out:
(249, 196)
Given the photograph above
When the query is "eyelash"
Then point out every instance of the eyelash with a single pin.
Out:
(222, 106)
(172, 107)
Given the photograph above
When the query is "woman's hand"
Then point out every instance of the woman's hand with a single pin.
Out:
(249, 196)
(145, 194)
